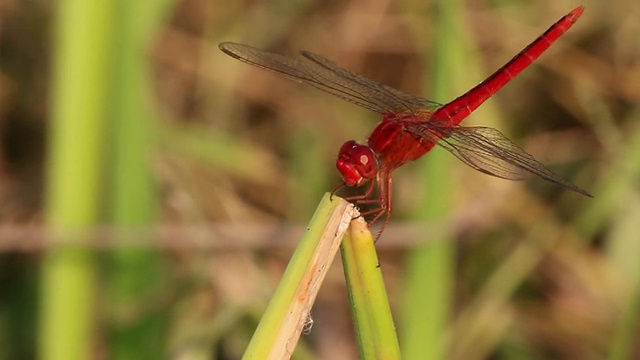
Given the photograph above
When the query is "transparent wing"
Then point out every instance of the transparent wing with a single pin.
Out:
(489, 151)
(400, 100)
(325, 75)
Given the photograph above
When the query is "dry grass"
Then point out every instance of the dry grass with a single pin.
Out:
(541, 273)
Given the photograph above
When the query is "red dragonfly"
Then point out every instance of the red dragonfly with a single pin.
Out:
(411, 126)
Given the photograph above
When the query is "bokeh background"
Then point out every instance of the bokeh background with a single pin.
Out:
(152, 188)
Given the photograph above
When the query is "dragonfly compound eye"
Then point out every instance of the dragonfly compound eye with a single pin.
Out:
(356, 163)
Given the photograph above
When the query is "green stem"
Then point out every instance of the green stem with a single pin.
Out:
(289, 308)
(429, 269)
(136, 276)
(375, 331)
(84, 32)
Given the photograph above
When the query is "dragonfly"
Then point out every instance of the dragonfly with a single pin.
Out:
(411, 125)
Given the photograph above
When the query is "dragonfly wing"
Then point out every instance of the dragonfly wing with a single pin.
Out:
(397, 99)
(327, 76)
(489, 151)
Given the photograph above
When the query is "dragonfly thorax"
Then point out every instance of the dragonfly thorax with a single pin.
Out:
(357, 163)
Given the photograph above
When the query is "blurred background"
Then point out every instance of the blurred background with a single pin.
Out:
(152, 189)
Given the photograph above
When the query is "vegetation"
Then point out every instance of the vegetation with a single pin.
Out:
(153, 190)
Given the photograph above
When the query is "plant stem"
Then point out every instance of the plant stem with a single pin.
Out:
(289, 308)
(84, 31)
(375, 331)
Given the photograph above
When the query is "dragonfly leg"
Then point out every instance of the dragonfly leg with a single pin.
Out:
(385, 196)
(343, 184)
(383, 200)
(366, 199)
(362, 197)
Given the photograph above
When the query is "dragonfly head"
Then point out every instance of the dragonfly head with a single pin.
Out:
(357, 163)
